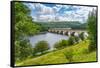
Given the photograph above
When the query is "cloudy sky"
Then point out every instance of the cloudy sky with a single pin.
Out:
(54, 12)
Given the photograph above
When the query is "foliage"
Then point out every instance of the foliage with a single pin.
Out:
(76, 39)
(69, 54)
(57, 45)
(64, 43)
(58, 56)
(71, 40)
(92, 29)
(41, 47)
(23, 49)
(92, 46)
(81, 35)
(61, 44)
(24, 27)
(63, 24)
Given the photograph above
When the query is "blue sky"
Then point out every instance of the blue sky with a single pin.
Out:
(54, 12)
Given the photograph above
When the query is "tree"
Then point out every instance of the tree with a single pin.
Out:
(24, 27)
(76, 39)
(69, 54)
(64, 43)
(61, 44)
(23, 49)
(57, 45)
(71, 40)
(92, 29)
(41, 47)
(81, 35)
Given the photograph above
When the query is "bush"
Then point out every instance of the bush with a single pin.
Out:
(41, 47)
(69, 54)
(71, 40)
(92, 46)
(81, 35)
(76, 39)
(57, 45)
(61, 44)
(92, 30)
(23, 49)
(85, 51)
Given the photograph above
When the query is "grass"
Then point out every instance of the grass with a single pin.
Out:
(80, 54)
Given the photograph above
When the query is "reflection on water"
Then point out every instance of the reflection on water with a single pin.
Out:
(51, 38)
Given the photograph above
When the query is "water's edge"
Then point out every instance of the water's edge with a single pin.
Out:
(51, 38)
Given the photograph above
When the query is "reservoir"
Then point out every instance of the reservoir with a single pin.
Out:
(51, 38)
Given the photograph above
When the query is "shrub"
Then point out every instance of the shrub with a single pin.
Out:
(81, 35)
(23, 49)
(92, 46)
(61, 44)
(69, 54)
(41, 47)
(71, 40)
(92, 30)
(85, 51)
(76, 39)
(57, 45)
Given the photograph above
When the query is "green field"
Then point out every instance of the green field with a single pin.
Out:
(80, 54)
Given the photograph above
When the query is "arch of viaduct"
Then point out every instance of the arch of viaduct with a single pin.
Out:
(66, 31)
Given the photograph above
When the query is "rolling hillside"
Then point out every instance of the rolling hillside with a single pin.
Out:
(80, 54)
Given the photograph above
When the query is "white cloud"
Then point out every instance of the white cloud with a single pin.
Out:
(45, 18)
(42, 12)
(45, 13)
(31, 6)
(81, 14)
(57, 7)
(41, 9)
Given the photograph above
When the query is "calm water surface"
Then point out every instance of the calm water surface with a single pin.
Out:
(51, 38)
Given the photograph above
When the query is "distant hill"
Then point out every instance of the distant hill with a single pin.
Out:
(64, 24)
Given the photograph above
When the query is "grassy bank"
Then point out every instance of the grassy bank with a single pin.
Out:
(80, 54)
